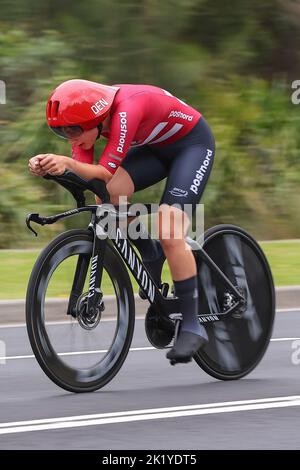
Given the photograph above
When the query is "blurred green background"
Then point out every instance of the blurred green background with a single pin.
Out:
(234, 61)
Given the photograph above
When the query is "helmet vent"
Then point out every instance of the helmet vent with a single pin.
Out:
(54, 110)
(49, 106)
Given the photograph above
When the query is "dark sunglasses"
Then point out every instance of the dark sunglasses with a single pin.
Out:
(67, 132)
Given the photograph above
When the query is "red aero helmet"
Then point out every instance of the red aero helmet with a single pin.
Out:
(79, 103)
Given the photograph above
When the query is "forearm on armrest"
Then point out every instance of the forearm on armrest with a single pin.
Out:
(89, 171)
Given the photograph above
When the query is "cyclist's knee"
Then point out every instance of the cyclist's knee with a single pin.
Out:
(172, 226)
(171, 244)
(115, 192)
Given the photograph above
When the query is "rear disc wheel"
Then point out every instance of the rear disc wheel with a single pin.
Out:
(237, 343)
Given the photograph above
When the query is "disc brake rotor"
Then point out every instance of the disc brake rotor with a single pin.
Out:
(88, 320)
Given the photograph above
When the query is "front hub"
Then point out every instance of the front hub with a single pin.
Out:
(88, 319)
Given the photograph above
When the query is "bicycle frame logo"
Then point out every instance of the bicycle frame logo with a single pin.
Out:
(94, 265)
(135, 264)
(2, 92)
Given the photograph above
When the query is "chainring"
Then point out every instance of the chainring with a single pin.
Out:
(158, 334)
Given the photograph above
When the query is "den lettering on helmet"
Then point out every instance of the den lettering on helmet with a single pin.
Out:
(99, 105)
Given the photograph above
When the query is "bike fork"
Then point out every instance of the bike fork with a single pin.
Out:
(94, 294)
(78, 283)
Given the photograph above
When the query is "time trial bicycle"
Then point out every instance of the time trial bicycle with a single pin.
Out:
(80, 304)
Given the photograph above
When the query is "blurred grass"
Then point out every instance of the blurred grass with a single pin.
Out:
(15, 268)
(284, 259)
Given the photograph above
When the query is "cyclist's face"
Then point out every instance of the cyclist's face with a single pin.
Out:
(86, 140)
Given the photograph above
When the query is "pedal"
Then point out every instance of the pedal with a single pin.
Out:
(175, 316)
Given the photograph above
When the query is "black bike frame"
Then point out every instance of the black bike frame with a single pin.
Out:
(162, 304)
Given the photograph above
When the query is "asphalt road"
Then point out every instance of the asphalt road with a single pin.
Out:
(152, 405)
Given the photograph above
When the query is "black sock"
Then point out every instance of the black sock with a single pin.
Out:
(187, 293)
(146, 246)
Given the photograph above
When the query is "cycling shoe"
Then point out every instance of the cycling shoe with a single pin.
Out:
(185, 347)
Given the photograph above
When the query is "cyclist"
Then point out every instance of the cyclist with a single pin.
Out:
(151, 135)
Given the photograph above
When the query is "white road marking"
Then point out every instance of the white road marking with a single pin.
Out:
(285, 310)
(284, 339)
(63, 322)
(68, 322)
(76, 353)
(103, 351)
(148, 414)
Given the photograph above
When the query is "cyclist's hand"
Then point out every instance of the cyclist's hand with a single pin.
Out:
(35, 167)
(53, 164)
